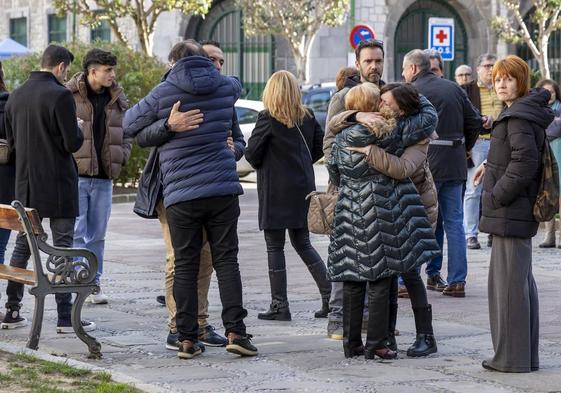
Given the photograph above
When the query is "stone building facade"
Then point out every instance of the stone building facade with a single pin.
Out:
(401, 24)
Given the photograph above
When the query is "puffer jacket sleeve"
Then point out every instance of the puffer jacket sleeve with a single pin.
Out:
(332, 169)
(141, 115)
(418, 127)
(257, 143)
(127, 141)
(523, 165)
(156, 134)
(553, 131)
(398, 167)
(237, 136)
(341, 121)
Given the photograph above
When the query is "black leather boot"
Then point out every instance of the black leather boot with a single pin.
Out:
(353, 303)
(392, 318)
(319, 274)
(279, 310)
(425, 343)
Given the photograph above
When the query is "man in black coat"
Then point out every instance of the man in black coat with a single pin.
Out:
(42, 130)
(458, 128)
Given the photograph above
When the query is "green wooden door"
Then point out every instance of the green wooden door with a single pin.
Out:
(412, 33)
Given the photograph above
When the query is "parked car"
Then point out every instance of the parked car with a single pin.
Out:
(317, 99)
(247, 111)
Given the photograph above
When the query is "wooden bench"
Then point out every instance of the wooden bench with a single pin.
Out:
(66, 270)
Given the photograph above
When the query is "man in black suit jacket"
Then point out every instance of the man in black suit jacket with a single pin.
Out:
(43, 131)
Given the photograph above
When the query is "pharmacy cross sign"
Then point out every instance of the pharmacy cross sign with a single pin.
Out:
(441, 37)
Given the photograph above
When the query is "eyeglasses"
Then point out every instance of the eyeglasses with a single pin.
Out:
(463, 75)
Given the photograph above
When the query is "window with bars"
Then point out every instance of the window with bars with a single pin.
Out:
(18, 30)
(57, 28)
(101, 32)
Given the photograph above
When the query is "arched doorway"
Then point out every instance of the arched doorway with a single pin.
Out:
(412, 33)
(248, 58)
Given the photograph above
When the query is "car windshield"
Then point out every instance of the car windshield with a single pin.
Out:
(246, 115)
(318, 101)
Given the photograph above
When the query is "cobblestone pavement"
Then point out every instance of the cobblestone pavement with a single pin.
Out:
(294, 356)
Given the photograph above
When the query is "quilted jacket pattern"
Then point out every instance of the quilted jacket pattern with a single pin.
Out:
(380, 224)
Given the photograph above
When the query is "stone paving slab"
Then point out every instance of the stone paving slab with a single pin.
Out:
(294, 356)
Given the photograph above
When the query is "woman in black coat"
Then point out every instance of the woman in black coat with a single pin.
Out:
(510, 186)
(7, 171)
(285, 143)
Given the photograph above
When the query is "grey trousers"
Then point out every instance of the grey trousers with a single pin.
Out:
(513, 306)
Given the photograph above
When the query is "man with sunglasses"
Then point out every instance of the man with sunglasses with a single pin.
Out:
(370, 64)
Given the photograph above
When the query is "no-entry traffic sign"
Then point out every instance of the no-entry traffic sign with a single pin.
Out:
(361, 33)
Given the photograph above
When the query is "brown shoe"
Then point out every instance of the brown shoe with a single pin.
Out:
(455, 290)
(436, 283)
(189, 349)
(402, 292)
(241, 345)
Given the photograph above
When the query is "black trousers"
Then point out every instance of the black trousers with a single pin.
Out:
(300, 240)
(63, 236)
(219, 217)
(378, 312)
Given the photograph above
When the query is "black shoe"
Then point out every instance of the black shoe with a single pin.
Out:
(324, 312)
(473, 244)
(436, 283)
(64, 326)
(189, 349)
(383, 353)
(241, 345)
(172, 343)
(391, 343)
(209, 337)
(424, 345)
(13, 320)
(278, 311)
(353, 352)
(161, 299)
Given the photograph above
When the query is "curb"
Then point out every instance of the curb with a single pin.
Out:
(115, 376)
(123, 198)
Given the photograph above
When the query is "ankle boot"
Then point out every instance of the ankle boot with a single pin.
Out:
(319, 274)
(391, 342)
(549, 240)
(425, 343)
(279, 310)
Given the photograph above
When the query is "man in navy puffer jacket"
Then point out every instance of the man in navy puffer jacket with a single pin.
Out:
(201, 189)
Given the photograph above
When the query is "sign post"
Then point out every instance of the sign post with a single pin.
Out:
(441, 37)
(361, 33)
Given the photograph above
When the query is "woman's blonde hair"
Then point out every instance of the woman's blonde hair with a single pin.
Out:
(283, 99)
(364, 98)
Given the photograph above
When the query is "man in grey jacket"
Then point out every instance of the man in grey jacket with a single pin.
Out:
(370, 64)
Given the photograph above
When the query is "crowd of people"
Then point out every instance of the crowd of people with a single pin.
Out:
(410, 163)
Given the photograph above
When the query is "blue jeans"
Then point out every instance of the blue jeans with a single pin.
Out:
(91, 224)
(472, 197)
(4, 238)
(450, 220)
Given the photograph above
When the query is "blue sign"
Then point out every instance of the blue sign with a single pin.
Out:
(361, 33)
(441, 37)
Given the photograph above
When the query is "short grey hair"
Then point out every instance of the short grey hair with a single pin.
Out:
(419, 58)
(485, 56)
(462, 66)
(434, 54)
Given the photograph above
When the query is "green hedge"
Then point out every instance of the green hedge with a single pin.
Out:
(136, 72)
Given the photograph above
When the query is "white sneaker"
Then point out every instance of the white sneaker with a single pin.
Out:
(65, 327)
(99, 298)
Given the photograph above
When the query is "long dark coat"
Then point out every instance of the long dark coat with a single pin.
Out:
(380, 224)
(7, 171)
(285, 173)
(41, 125)
(512, 175)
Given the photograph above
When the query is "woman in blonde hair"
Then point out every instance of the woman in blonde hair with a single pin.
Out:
(283, 147)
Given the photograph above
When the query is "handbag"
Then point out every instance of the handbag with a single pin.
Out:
(4, 152)
(547, 200)
(321, 211)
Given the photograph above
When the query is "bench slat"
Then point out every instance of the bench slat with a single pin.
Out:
(17, 274)
(9, 219)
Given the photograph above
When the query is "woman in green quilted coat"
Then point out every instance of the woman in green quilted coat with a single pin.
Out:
(380, 226)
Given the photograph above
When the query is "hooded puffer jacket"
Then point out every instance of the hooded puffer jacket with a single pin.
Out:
(512, 175)
(380, 224)
(195, 164)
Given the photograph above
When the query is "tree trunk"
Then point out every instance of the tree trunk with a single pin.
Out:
(543, 60)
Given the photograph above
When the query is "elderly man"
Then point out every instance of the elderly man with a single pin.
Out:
(463, 75)
(458, 128)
